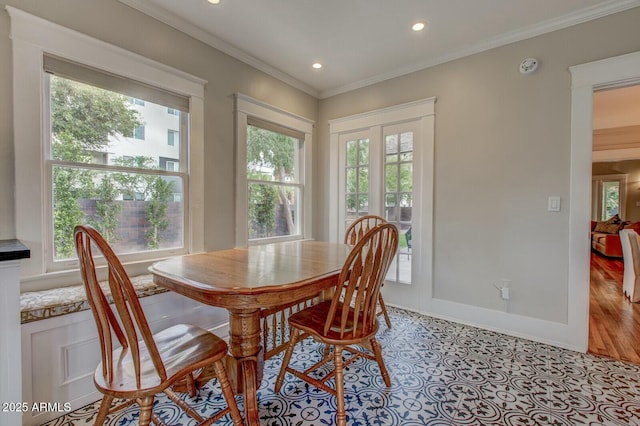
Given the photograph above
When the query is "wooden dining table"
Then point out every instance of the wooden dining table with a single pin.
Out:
(247, 281)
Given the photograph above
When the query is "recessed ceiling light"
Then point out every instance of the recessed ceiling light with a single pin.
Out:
(214, 1)
(418, 26)
(317, 65)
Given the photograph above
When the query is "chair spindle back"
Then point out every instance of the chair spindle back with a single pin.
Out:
(361, 226)
(128, 314)
(362, 276)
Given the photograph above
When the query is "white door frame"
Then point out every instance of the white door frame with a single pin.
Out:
(585, 78)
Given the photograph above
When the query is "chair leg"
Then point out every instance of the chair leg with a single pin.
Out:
(341, 415)
(384, 311)
(293, 339)
(104, 410)
(225, 386)
(191, 385)
(375, 346)
(146, 407)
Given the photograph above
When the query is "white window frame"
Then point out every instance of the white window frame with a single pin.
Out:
(597, 196)
(247, 107)
(174, 165)
(136, 132)
(32, 39)
(175, 136)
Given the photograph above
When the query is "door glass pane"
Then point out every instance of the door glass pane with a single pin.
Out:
(406, 177)
(364, 152)
(391, 178)
(351, 209)
(363, 180)
(352, 153)
(398, 179)
(356, 179)
(352, 181)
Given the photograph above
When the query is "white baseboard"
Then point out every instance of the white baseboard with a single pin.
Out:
(548, 332)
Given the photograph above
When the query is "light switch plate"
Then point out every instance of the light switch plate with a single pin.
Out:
(553, 204)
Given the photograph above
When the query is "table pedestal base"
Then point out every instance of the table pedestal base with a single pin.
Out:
(245, 363)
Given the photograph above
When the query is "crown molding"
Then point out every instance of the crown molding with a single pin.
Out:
(561, 22)
(554, 24)
(209, 39)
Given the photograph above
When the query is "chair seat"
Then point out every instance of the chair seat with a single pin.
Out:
(312, 320)
(181, 347)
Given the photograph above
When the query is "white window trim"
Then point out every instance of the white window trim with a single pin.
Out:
(32, 38)
(249, 107)
(596, 199)
(422, 111)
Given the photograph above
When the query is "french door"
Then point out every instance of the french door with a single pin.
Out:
(377, 176)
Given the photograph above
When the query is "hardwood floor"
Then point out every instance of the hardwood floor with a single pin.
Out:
(614, 322)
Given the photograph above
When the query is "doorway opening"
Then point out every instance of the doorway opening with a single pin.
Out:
(614, 321)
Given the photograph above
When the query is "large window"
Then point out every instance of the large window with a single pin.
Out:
(129, 195)
(82, 163)
(274, 188)
(274, 174)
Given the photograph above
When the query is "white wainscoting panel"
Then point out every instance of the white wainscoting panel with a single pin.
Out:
(60, 354)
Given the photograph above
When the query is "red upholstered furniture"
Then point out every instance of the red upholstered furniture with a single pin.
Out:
(606, 244)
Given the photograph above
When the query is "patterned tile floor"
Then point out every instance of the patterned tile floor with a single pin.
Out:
(443, 373)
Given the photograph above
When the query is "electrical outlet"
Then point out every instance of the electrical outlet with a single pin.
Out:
(503, 288)
(504, 293)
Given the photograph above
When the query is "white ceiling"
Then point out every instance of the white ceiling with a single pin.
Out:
(614, 108)
(361, 42)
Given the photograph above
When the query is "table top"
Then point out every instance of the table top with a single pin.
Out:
(254, 276)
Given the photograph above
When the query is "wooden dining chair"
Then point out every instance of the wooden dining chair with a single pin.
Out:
(353, 234)
(342, 325)
(144, 364)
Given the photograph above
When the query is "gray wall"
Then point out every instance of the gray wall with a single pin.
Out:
(115, 23)
(502, 146)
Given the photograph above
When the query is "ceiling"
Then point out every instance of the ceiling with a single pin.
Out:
(361, 42)
(616, 124)
(617, 107)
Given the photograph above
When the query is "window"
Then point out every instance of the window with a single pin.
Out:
(135, 101)
(375, 165)
(173, 136)
(274, 174)
(273, 186)
(608, 197)
(138, 132)
(129, 198)
(170, 164)
(104, 176)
